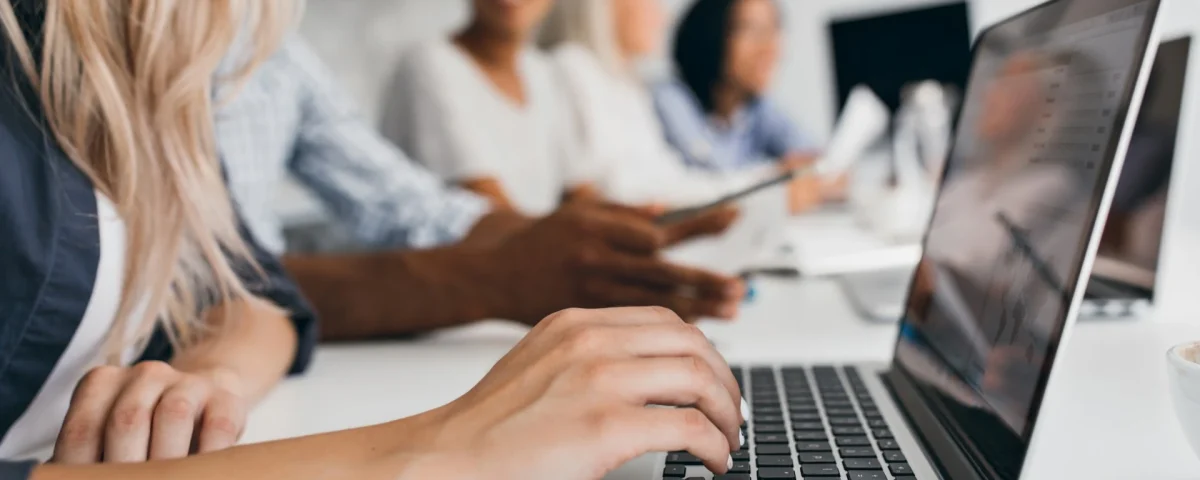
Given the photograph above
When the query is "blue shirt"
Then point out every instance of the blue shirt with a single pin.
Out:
(291, 117)
(50, 252)
(759, 133)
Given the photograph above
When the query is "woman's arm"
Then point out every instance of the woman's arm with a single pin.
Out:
(574, 392)
(360, 453)
(248, 355)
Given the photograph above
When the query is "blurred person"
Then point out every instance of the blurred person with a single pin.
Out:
(462, 257)
(483, 110)
(595, 47)
(716, 113)
(116, 222)
(138, 319)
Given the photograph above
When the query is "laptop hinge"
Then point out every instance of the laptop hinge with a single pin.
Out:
(945, 452)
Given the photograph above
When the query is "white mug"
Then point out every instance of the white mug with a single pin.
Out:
(1183, 371)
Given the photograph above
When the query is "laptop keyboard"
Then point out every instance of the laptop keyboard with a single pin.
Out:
(818, 422)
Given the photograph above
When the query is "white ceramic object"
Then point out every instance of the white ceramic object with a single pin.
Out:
(1183, 371)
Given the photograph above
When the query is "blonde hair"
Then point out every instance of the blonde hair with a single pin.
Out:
(588, 23)
(127, 88)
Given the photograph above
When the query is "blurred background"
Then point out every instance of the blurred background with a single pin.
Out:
(829, 47)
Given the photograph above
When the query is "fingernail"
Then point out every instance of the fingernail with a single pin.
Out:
(745, 414)
(741, 439)
(729, 463)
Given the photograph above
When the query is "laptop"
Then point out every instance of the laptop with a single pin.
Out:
(1126, 268)
(1017, 224)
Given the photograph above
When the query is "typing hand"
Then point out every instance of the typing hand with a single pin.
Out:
(570, 400)
(592, 256)
(149, 412)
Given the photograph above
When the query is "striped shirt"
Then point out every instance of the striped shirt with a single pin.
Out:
(291, 117)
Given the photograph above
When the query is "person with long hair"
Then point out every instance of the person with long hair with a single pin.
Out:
(595, 46)
(717, 113)
(120, 241)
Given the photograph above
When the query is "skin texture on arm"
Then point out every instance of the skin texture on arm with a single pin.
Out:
(195, 404)
(575, 390)
(584, 255)
(347, 454)
(250, 354)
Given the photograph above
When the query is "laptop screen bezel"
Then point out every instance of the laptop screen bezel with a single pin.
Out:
(1117, 146)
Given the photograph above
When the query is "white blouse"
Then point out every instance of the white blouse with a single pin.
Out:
(34, 433)
(631, 161)
(448, 115)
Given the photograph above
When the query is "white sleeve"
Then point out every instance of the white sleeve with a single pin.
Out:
(431, 117)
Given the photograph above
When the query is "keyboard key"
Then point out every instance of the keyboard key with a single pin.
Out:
(877, 423)
(872, 414)
(740, 456)
(888, 445)
(806, 417)
(840, 412)
(734, 476)
(776, 410)
(740, 467)
(813, 447)
(857, 452)
(682, 458)
(893, 456)
(807, 458)
(768, 419)
(838, 404)
(808, 426)
(674, 471)
(900, 469)
(772, 450)
(775, 473)
(811, 437)
(882, 434)
(770, 439)
(844, 422)
(761, 428)
(853, 442)
(867, 404)
(862, 464)
(849, 431)
(774, 461)
(803, 408)
(820, 470)
(867, 475)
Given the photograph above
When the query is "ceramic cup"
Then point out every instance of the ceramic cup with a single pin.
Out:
(1183, 371)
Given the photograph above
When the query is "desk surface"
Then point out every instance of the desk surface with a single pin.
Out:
(1107, 415)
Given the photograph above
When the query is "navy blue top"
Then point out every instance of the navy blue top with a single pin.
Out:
(50, 250)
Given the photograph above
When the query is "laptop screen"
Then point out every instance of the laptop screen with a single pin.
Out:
(1043, 112)
(1128, 256)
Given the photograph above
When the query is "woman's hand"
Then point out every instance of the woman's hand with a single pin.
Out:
(150, 411)
(572, 401)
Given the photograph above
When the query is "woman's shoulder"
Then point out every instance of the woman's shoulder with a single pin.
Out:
(432, 58)
(674, 96)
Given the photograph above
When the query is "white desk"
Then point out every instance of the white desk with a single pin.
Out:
(1107, 417)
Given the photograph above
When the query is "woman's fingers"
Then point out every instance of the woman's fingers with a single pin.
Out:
(81, 440)
(682, 340)
(175, 419)
(672, 381)
(127, 436)
(646, 429)
(221, 424)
